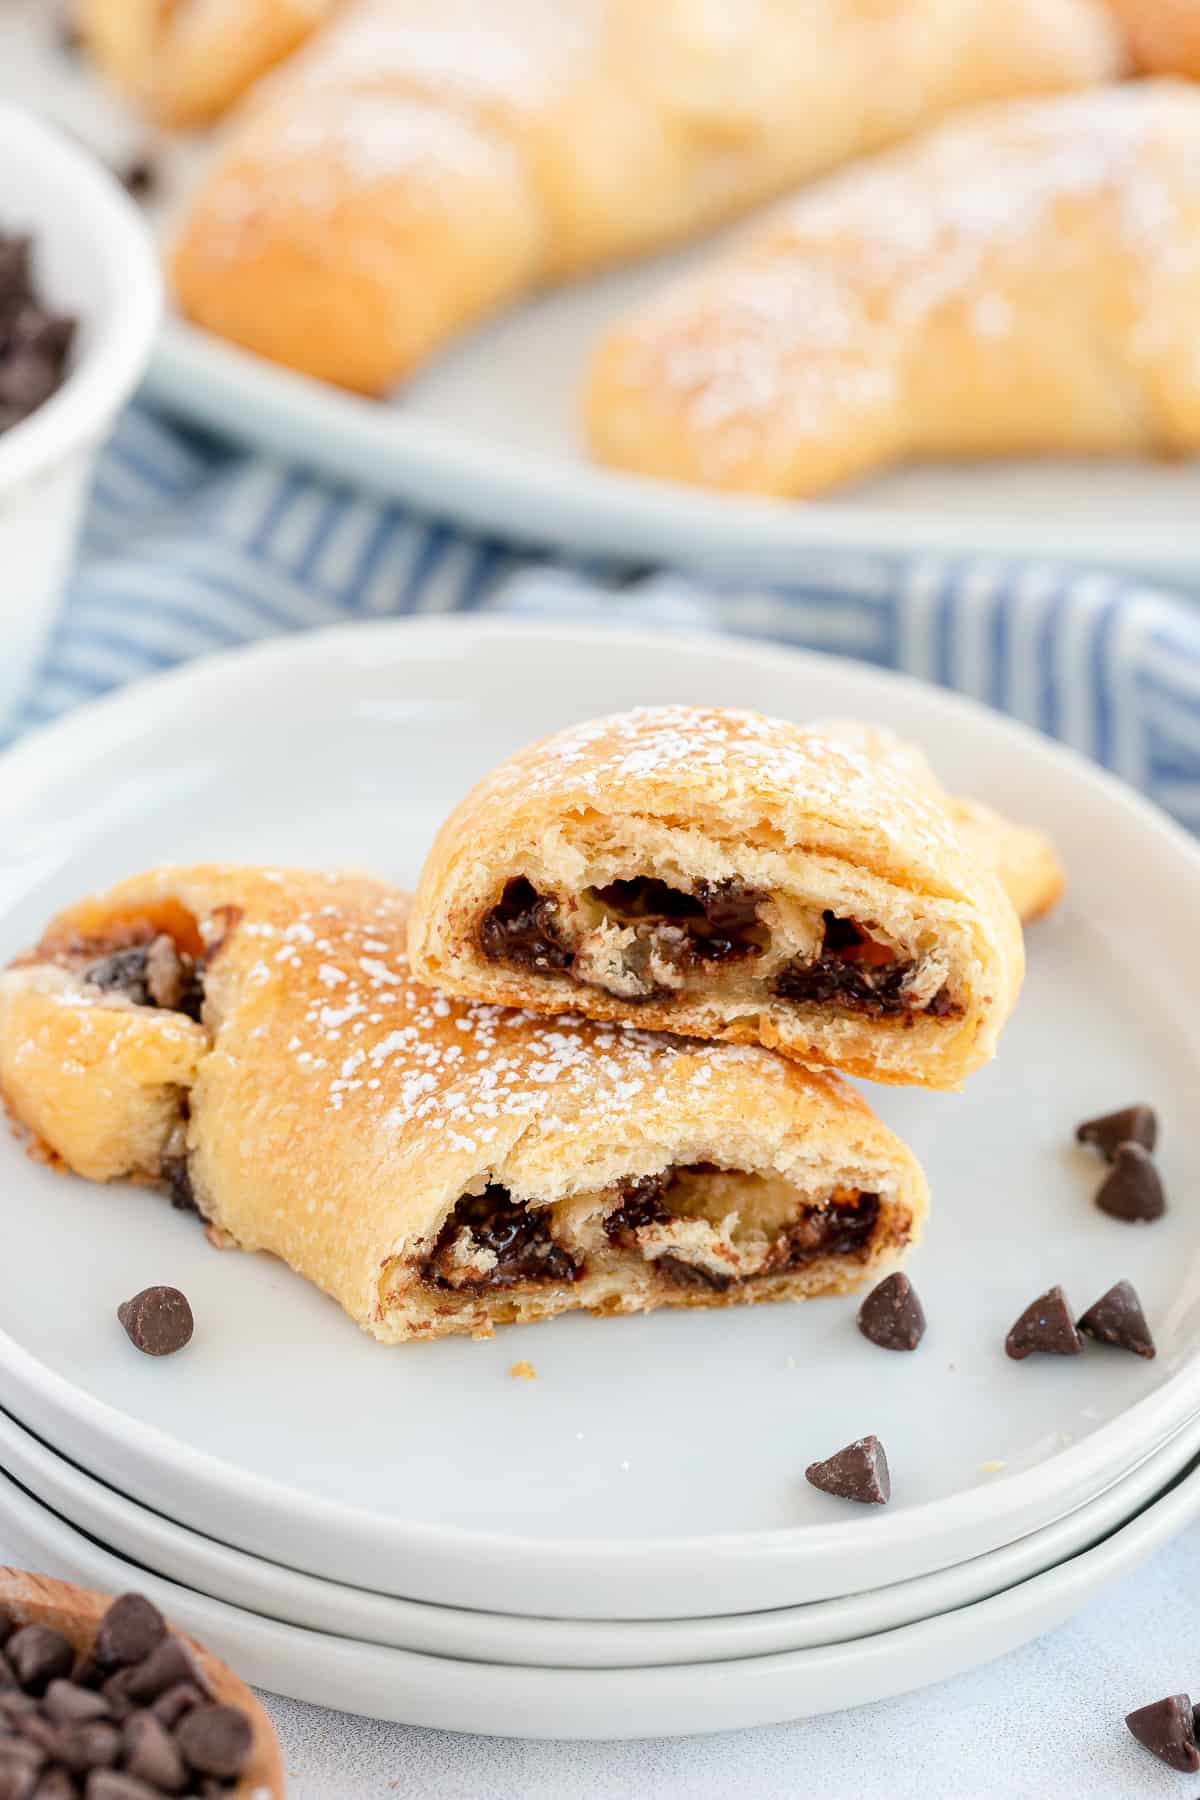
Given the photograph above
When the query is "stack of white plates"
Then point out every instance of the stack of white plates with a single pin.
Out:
(625, 1545)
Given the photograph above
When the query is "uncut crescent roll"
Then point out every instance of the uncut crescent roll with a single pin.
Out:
(424, 162)
(1024, 280)
(732, 876)
(186, 61)
(252, 1041)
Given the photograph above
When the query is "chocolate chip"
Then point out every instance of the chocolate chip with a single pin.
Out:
(68, 1704)
(1117, 1318)
(7, 1625)
(111, 1784)
(56, 1784)
(139, 176)
(892, 1316)
(39, 1655)
(158, 1321)
(8, 1680)
(1131, 1125)
(151, 1753)
(168, 1666)
(20, 1765)
(216, 1740)
(87, 1672)
(171, 1706)
(859, 1472)
(116, 1691)
(1046, 1325)
(36, 1729)
(131, 1628)
(1167, 1729)
(1132, 1190)
(94, 1745)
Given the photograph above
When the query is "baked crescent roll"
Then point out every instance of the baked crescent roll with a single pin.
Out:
(729, 876)
(1164, 34)
(423, 162)
(252, 1041)
(1023, 280)
(186, 61)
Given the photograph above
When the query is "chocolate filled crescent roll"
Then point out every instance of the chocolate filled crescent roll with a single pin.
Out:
(727, 875)
(252, 1041)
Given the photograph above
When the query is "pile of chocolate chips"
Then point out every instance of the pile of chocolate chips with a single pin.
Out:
(35, 343)
(130, 1719)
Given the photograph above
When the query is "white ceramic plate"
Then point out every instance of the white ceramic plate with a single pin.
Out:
(488, 435)
(655, 1467)
(507, 1701)
(214, 1569)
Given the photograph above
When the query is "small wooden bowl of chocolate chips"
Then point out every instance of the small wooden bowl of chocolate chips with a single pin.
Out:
(101, 1700)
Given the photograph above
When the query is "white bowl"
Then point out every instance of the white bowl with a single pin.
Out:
(93, 257)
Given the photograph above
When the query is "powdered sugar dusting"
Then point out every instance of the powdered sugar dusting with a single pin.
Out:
(655, 758)
(804, 329)
(413, 1058)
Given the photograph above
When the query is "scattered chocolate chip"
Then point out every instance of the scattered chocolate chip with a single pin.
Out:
(68, 1704)
(131, 1628)
(1046, 1326)
(1132, 1125)
(1132, 1190)
(81, 1748)
(8, 1681)
(151, 1753)
(216, 1740)
(116, 1691)
(168, 1666)
(1167, 1729)
(35, 343)
(7, 1625)
(36, 1729)
(87, 1672)
(39, 1655)
(892, 1316)
(158, 1321)
(139, 176)
(859, 1472)
(20, 1765)
(1117, 1318)
(171, 1705)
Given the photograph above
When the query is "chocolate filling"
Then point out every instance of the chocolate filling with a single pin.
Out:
(156, 973)
(518, 1237)
(718, 922)
(856, 973)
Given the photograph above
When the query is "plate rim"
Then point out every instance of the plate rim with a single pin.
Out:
(533, 497)
(139, 703)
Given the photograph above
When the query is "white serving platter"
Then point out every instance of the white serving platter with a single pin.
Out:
(672, 1701)
(488, 435)
(222, 1573)
(655, 1467)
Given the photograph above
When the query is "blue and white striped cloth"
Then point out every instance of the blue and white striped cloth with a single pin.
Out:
(190, 547)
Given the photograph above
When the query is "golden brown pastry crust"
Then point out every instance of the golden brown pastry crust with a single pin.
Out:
(186, 61)
(1024, 280)
(1164, 34)
(334, 1112)
(425, 161)
(814, 822)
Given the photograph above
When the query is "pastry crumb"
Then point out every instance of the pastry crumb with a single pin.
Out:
(992, 1468)
(523, 1371)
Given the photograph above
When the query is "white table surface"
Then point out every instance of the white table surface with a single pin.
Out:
(1044, 1723)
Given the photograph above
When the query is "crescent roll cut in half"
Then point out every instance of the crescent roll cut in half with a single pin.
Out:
(186, 61)
(733, 876)
(253, 1042)
(424, 162)
(1025, 280)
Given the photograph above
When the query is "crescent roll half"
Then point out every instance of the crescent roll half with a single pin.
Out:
(732, 876)
(252, 1041)
(424, 162)
(1022, 281)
